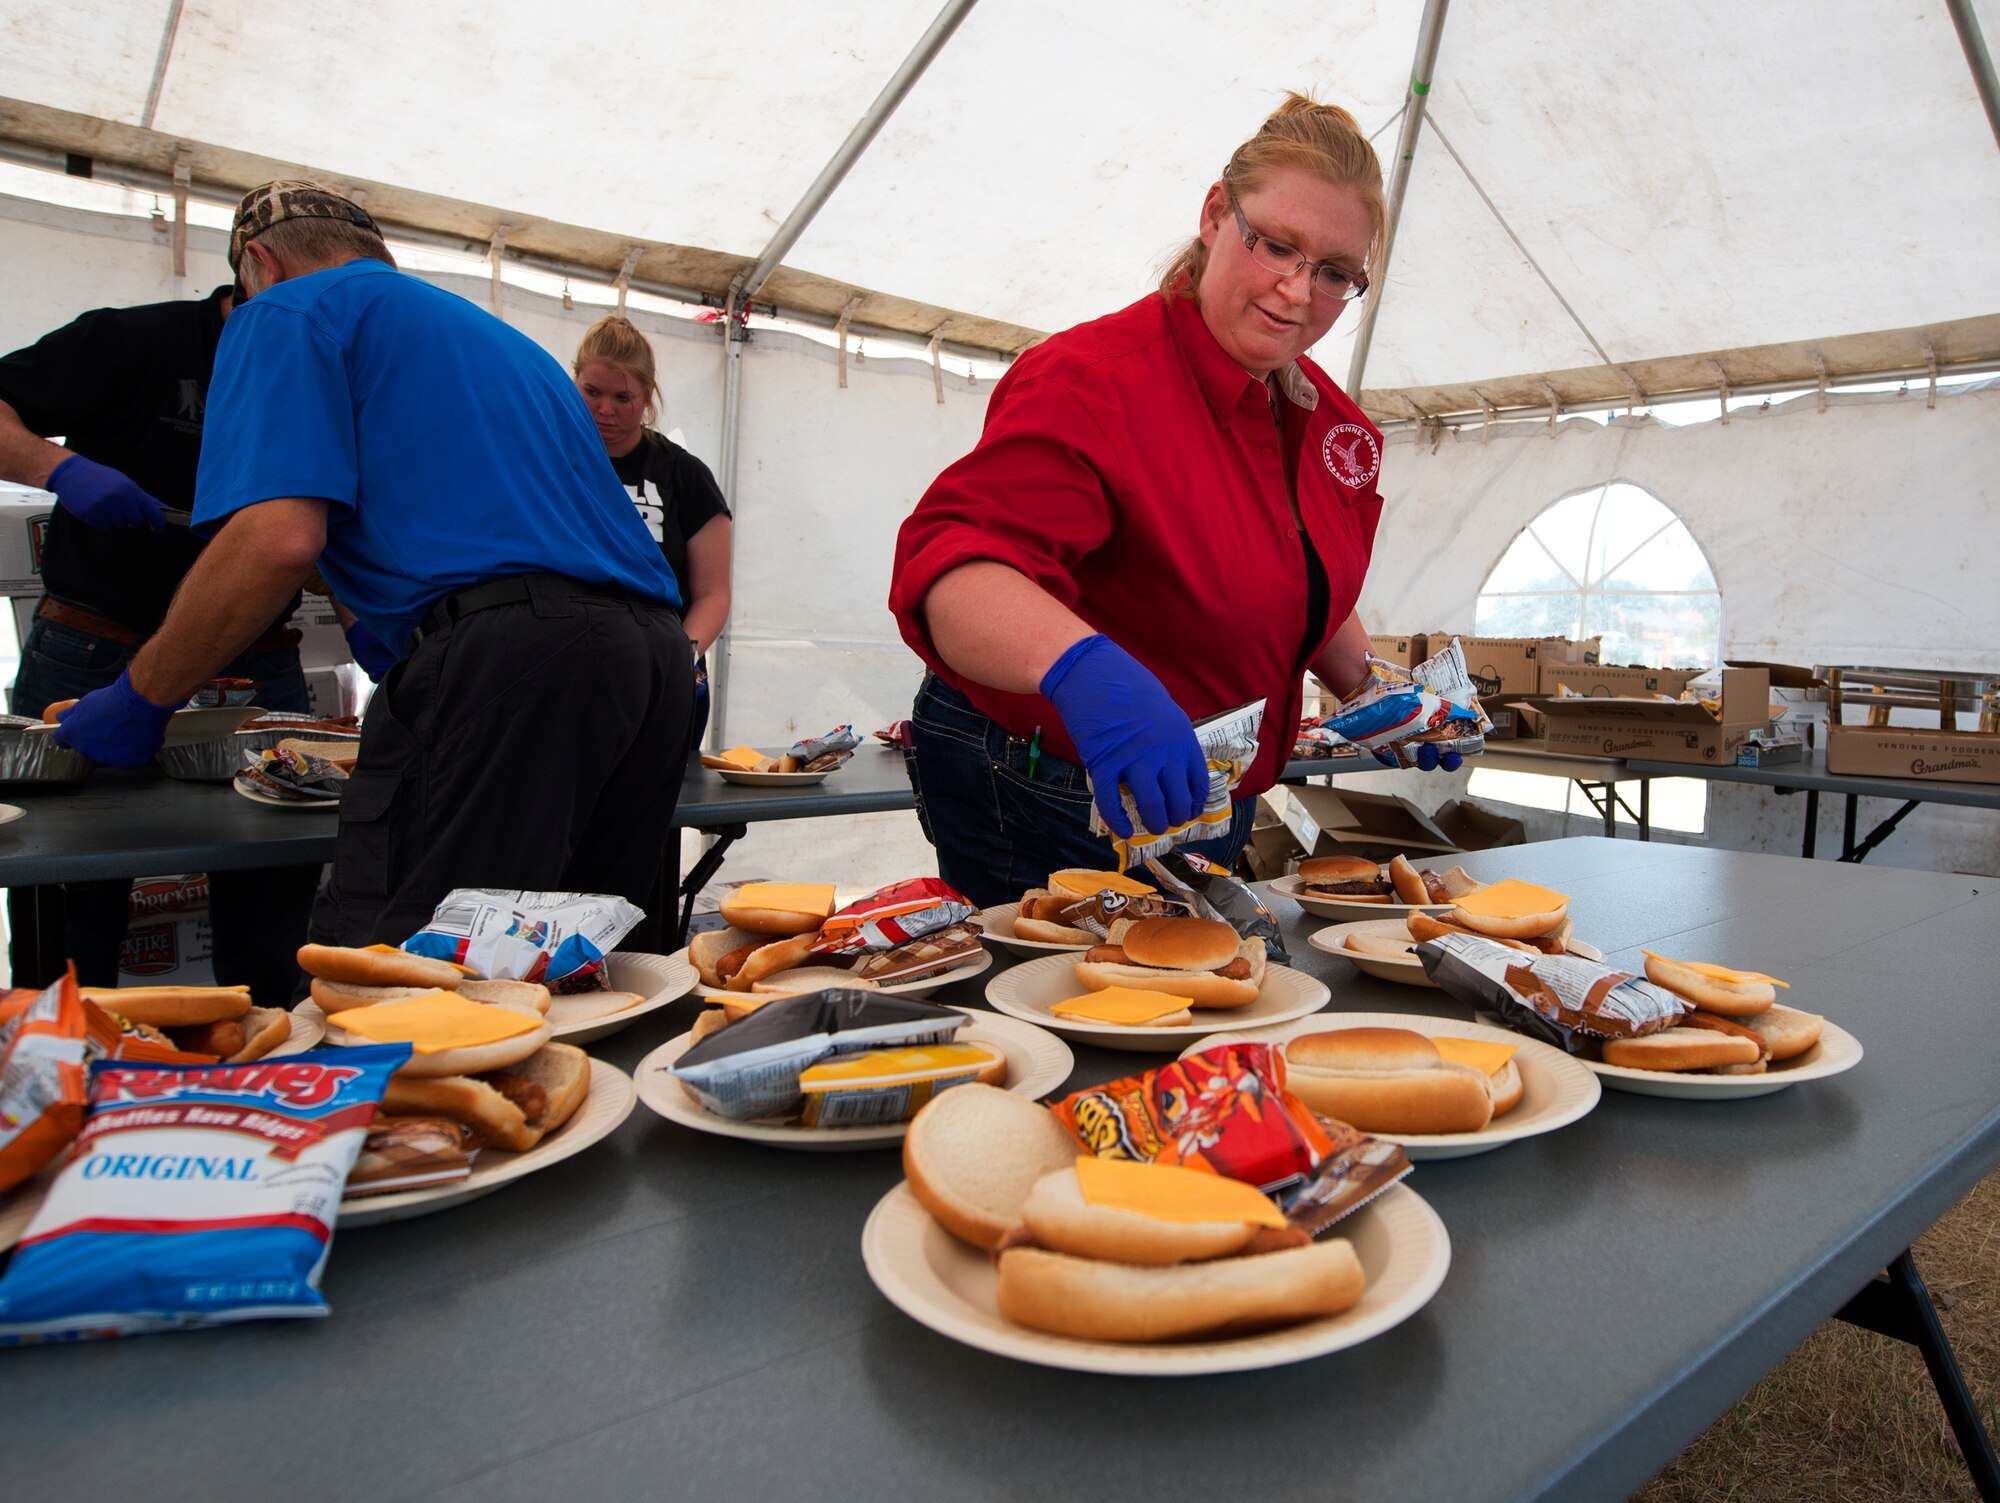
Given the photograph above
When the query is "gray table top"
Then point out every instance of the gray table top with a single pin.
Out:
(1810, 773)
(672, 1314)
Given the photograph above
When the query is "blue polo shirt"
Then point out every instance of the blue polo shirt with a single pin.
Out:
(452, 448)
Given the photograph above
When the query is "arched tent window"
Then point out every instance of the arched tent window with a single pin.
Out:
(1611, 561)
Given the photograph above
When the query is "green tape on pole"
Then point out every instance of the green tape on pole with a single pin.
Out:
(1418, 86)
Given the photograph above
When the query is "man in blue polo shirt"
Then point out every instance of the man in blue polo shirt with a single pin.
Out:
(444, 475)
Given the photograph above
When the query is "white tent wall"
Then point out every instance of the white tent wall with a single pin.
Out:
(1857, 535)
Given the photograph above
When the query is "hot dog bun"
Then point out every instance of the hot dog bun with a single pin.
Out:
(1063, 1221)
(1423, 926)
(742, 914)
(264, 1029)
(1524, 926)
(768, 960)
(1732, 999)
(1045, 930)
(1681, 1048)
(561, 1072)
(973, 1155)
(1375, 944)
(1387, 1080)
(383, 967)
(1070, 1296)
(53, 713)
(171, 1006)
(1407, 881)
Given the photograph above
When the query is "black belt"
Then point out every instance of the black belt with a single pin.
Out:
(513, 590)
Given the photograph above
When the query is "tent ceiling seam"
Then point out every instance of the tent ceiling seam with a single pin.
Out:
(1526, 254)
(168, 31)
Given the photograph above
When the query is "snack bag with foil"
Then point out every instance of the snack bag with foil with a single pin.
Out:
(196, 1195)
(1229, 742)
(1399, 709)
(1225, 1109)
(824, 753)
(1098, 912)
(751, 1068)
(47, 1041)
(1354, 1170)
(1209, 891)
(940, 950)
(892, 916)
(1564, 1000)
(295, 776)
(503, 934)
(412, 1153)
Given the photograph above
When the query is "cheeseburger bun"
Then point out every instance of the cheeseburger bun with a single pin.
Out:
(1735, 999)
(974, 1154)
(754, 920)
(1061, 1220)
(1681, 1048)
(170, 1006)
(339, 996)
(1181, 957)
(1786, 1031)
(1387, 1080)
(378, 967)
(520, 995)
(511, 1109)
(470, 1059)
(1526, 926)
(1352, 879)
(1096, 1301)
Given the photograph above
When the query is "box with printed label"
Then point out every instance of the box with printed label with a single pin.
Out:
(1614, 682)
(1405, 650)
(1931, 756)
(167, 940)
(1658, 731)
(1504, 666)
(1341, 821)
(24, 524)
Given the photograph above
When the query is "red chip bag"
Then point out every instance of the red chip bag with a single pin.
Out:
(892, 916)
(47, 1041)
(1225, 1110)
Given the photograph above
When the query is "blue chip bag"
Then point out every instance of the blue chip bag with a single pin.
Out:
(195, 1195)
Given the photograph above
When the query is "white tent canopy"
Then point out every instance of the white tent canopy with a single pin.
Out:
(1756, 183)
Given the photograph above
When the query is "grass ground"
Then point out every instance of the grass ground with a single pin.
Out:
(1851, 1417)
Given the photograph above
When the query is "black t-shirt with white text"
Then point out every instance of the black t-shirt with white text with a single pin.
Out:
(676, 495)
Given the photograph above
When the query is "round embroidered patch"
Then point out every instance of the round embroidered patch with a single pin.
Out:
(1352, 454)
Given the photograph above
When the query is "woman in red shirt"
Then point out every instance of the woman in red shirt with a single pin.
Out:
(1169, 513)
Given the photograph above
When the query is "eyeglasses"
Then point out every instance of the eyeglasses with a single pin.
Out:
(1328, 279)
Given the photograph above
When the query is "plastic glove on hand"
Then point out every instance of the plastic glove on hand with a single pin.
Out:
(115, 727)
(102, 497)
(370, 651)
(1128, 730)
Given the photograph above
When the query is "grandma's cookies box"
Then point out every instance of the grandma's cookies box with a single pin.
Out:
(1656, 730)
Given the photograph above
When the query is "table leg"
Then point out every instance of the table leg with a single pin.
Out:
(1847, 835)
(1898, 1306)
(1811, 842)
(1645, 808)
(1880, 833)
(704, 869)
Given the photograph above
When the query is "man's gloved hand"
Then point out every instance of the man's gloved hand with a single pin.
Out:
(103, 497)
(115, 727)
(370, 652)
(1428, 758)
(1128, 730)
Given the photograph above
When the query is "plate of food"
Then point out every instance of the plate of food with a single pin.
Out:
(785, 966)
(1164, 983)
(1045, 920)
(218, 1020)
(1037, 1062)
(1004, 1239)
(757, 769)
(271, 801)
(1516, 914)
(1356, 888)
(10, 812)
(1441, 1088)
(641, 984)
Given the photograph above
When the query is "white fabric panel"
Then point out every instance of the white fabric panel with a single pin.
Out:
(672, 121)
(95, 57)
(1810, 520)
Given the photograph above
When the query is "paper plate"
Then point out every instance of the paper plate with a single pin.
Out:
(1030, 989)
(997, 928)
(973, 965)
(1037, 1063)
(771, 779)
(949, 1286)
(10, 812)
(1556, 1089)
(308, 1028)
(271, 802)
(1335, 908)
(609, 1103)
(660, 979)
(1837, 1051)
(1404, 968)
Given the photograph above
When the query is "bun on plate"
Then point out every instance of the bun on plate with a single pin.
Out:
(1202, 960)
(511, 1109)
(751, 909)
(1681, 1048)
(170, 1006)
(391, 1022)
(1717, 989)
(1388, 946)
(1388, 1080)
(973, 1154)
(1060, 1219)
(716, 954)
(769, 959)
(1786, 1031)
(378, 965)
(1352, 879)
(810, 978)
(1412, 886)
(1423, 926)
(1038, 917)
(520, 994)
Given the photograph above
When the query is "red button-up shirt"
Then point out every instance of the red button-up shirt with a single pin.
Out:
(1138, 475)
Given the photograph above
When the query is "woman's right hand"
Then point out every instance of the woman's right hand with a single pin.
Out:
(1129, 731)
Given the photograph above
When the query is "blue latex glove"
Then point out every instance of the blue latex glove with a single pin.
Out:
(1127, 729)
(1428, 759)
(103, 497)
(115, 727)
(370, 652)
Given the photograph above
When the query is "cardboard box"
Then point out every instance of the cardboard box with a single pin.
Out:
(322, 644)
(1771, 752)
(1504, 666)
(24, 523)
(1657, 731)
(1931, 756)
(167, 941)
(1341, 821)
(1405, 651)
(1474, 827)
(1614, 682)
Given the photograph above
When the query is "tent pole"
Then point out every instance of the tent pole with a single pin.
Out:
(1978, 59)
(1428, 36)
(749, 282)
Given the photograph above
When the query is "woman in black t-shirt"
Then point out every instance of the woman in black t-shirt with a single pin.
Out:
(677, 496)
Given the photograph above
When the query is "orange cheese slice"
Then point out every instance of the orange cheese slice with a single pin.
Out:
(1088, 884)
(812, 898)
(1481, 1055)
(435, 1022)
(1720, 972)
(1121, 1004)
(1163, 1192)
(889, 1067)
(746, 757)
(1511, 899)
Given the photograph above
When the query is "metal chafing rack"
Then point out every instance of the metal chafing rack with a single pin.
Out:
(1945, 695)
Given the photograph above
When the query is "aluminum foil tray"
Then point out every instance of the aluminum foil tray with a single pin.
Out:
(29, 755)
(219, 761)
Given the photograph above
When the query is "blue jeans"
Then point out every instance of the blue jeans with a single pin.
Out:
(997, 831)
(257, 918)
